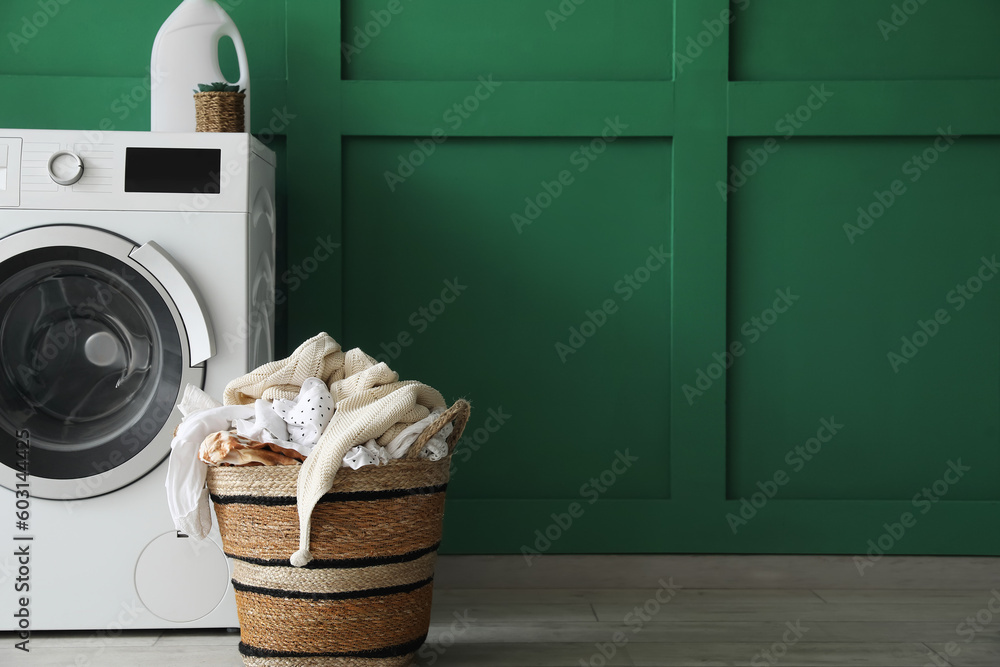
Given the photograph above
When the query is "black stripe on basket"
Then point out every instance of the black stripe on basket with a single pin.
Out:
(279, 501)
(387, 652)
(339, 595)
(342, 563)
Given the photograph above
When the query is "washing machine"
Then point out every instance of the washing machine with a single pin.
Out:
(131, 265)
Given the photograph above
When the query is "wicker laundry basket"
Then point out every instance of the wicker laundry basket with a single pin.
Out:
(365, 599)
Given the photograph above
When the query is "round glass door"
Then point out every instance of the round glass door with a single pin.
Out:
(92, 361)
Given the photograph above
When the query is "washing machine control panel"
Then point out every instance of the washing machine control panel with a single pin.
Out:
(10, 172)
(193, 173)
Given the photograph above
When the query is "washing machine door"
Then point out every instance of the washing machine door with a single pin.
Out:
(98, 337)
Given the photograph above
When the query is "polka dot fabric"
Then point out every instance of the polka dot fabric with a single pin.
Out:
(308, 414)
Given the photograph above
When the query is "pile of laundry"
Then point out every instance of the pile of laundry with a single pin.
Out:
(285, 431)
(321, 409)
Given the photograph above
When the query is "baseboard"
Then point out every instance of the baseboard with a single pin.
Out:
(724, 571)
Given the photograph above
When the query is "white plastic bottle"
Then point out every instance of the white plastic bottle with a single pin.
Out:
(186, 53)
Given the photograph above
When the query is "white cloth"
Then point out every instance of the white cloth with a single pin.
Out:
(195, 399)
(435, 449)
(295, 423)
(266, 425)
(187, 496)
(368, 454)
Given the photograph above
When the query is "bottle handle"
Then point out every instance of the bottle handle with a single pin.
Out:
(241, 56)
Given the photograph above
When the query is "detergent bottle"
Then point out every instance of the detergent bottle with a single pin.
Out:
(186, 53)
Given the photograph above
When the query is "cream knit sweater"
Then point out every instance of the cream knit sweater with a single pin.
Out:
(371, 402)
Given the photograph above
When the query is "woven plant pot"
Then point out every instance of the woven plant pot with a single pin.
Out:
(365, 599)
(220, 112)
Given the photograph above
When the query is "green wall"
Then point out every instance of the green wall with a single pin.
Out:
(499, 250)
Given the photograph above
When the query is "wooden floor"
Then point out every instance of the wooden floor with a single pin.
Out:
(653, 626)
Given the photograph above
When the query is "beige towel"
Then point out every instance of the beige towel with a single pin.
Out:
(370, 401)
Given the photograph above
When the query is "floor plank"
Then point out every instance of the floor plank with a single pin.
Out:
(94, 641)
(670, 613)
(473, 596)
(974, 599)
(763, 653)
(171, 638)
(523, 612)
(974, 654)
(515, 655)
(898, 631)
(547, 631)
(127, 656)
(700, 631)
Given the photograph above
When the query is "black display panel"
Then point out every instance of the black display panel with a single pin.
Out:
(173, 170)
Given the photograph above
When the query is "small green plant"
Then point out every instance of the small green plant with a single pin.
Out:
(218, 87)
